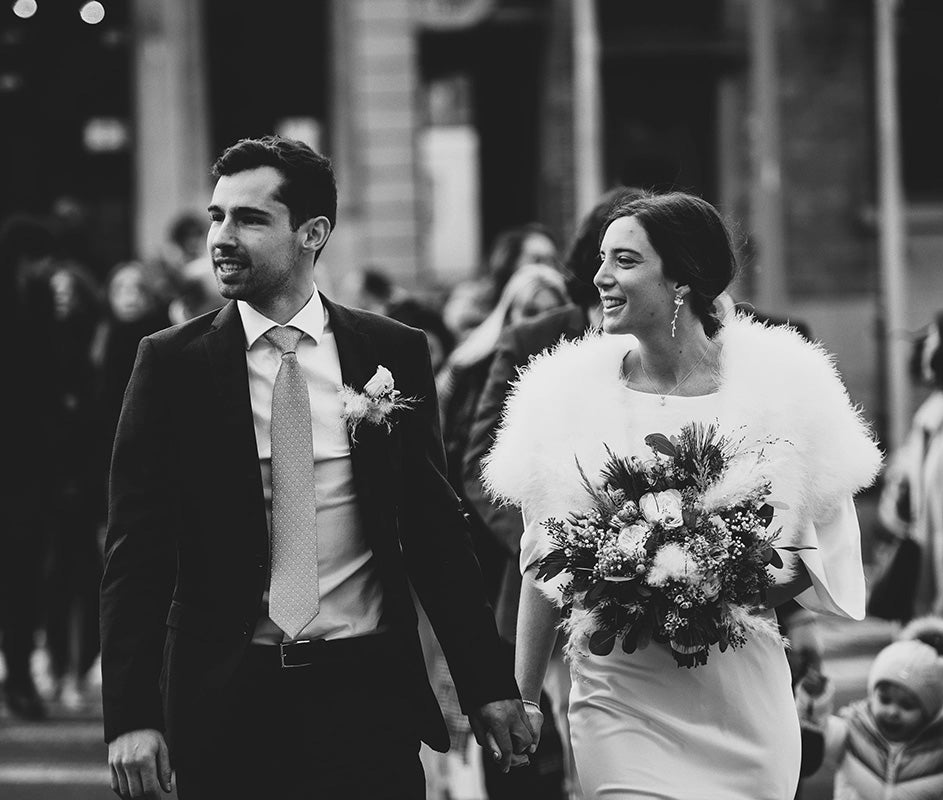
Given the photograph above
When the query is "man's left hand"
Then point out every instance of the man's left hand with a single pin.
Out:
(502, 728)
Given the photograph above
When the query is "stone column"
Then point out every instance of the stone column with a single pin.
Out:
(372, 139)
(171, 147)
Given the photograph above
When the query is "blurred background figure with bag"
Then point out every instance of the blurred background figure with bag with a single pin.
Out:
(909, 579)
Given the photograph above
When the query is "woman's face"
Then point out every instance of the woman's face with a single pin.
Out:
(537, 249)
(65, 298)
(127, 295)
(636, 296)
(897, 711)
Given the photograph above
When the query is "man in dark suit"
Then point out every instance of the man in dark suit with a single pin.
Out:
(258, 631)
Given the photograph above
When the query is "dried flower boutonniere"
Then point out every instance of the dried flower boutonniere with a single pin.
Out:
(375, 404)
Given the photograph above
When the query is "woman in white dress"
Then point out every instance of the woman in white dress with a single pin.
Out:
(641, 727)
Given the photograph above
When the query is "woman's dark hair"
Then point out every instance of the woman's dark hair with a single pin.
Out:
(308, 187)
(506, 250)
(693, 243)
(581, 261)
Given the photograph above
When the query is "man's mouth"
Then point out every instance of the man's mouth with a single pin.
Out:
(228, 266)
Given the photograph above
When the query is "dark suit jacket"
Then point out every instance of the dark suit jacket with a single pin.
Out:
(187, 551)
(517, 345)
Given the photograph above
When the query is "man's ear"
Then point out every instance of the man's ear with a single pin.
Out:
(315, 232)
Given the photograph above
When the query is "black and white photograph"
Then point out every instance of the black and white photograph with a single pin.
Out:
(471, 399)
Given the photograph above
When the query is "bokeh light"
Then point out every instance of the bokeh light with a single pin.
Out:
(24, 9)
(92, 13)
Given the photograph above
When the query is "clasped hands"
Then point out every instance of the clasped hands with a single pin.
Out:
(506, 731)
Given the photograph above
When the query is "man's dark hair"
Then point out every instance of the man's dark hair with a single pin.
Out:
(308, 187)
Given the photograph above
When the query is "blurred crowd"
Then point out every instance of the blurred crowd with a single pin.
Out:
(72, 336)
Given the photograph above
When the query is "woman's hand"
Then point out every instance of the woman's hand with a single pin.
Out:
(536, 718)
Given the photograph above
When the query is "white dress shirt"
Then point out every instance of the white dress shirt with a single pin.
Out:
(351, 596)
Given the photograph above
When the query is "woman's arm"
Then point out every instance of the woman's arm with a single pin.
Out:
(537, 621)
(779, 593)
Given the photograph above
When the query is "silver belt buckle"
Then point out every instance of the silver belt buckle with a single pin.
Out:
(282, 646)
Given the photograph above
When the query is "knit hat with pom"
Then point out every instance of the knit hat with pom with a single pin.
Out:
(925, 629)
(915, 666)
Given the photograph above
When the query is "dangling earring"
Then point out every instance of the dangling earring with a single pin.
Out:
(679, 301)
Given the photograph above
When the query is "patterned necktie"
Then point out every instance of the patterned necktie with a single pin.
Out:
(293, 593)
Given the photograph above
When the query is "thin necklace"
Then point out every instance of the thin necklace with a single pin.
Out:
(677, 386)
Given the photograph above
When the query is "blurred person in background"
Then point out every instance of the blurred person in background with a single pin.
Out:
(73, 481)
(71, 222)
(413, 312)
(377, 291)
(185, 243)
(504, 524)
(466, 307)
(197, 292)
(533, 290)
(517, 247)
(134, 309)
(27, 247)
(911, 504)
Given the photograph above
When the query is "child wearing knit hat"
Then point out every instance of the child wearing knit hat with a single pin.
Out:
(889, 745)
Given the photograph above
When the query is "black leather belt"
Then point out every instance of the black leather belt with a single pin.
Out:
(305, 652)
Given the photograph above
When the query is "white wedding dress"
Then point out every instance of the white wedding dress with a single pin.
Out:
(641, 727)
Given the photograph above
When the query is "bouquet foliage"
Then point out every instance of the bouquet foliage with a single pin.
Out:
(675, 548)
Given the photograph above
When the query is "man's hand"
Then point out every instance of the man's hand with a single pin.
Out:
(140, 764)
(503, 729)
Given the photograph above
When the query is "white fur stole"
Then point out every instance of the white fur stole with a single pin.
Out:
(778, 393)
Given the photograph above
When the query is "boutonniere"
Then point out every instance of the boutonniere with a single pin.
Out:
(375, 404)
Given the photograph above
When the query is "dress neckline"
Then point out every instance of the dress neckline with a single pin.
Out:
(664, 399)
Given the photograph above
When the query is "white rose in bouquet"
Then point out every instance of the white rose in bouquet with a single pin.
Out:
(663, 507)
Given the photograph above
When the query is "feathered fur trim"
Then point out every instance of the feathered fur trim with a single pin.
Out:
(778, 393)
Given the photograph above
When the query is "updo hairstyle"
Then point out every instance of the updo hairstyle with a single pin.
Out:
(693, 243)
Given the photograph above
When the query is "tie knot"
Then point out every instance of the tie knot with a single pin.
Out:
(284, 339)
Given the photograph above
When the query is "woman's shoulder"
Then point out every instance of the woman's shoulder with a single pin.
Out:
(782, 348)
(557, 404)
(791, 387)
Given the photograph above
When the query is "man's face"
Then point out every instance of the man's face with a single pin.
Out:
(256, 255)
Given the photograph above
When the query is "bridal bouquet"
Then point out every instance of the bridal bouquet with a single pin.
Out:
(675, 548)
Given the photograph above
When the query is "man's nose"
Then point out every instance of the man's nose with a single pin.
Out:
(221, 235)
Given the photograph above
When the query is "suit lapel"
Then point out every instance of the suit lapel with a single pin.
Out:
(225, 345)
(358, 361)
(354, 348)
(225, 348)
